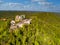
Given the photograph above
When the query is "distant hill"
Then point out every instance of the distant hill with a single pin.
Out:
(14, 13)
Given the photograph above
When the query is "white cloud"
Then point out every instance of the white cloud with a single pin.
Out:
(54, 8)
(18, 6)
(11, 6)
(42, 2)
(38, 0)
(46, 6)
(42, 5)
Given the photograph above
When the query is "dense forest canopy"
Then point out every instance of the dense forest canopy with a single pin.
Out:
(43, 30)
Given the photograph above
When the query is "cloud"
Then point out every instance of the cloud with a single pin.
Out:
(44, 3)
(38, 0)
(18, 6)
(35, 5)
(10, 6)
(54, 8)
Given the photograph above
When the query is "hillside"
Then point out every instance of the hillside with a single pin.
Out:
(43, 30)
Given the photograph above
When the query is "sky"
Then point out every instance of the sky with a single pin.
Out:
(31, 5)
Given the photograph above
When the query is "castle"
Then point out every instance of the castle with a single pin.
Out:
(19, 22)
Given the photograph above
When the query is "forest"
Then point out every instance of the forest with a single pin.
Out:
(43, 30)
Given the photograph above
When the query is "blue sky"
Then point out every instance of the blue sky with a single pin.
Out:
(30, 5)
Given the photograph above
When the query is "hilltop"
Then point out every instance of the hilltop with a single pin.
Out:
(43, 30)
